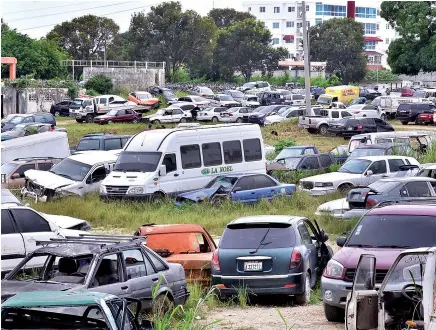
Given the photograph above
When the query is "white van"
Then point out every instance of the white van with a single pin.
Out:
(390, 103)
(162, 162)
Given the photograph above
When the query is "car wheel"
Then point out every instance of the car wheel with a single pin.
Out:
(79, 121)
(323, 129)
(156, 121)
(162, 304)
(135, 120)
(57, 113)
(383, 117)
(110, 122)
(89, 119)
(239, 120)
(158, 197)
(183, 120)
(215, 119)
(404, 122)
(304, 298)
(345, 188)
(333, 313)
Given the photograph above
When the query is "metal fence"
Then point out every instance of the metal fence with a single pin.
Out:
(114, 64)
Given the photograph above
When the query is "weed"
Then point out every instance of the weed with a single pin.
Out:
(243, 296)
(315, 295)
(287, 327)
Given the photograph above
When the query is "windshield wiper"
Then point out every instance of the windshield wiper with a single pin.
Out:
(394, 246)
(63, 175)
(49, 282)
(361, 245)
(261, 241)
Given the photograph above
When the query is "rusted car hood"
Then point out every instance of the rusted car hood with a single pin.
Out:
(11, 288)
(192, 261)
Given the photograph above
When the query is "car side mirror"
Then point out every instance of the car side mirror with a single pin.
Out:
(340, 241)
(15, 176)
(369, 173)
(162, 170)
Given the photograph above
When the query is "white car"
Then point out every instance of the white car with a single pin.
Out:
(284, 114)
(255, 86)
(211, 114)
(77, 174)
(250, 100)
(295, 99)
(366, 110)
(355, 172)
(234, 115)
(198, 101)
(224, 100)
(22, 227)
(169, 115)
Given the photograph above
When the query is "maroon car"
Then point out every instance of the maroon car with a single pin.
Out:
(384, 232)
(118, 116)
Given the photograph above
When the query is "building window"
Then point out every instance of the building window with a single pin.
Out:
(275, 41)
(378, 27)
(376, 59)
(289, 41)
(276, 10)
(363, 12)
(318, 21)
(299, 25)
(291, 9)
(290, 24)
(262, 9)
(370, 28)
(276, 25)
(388, 26)
(369, 45)
(307, 7)
(387, 41)
(378, 12)
(32, 97)
(319, 8)
(331, 10)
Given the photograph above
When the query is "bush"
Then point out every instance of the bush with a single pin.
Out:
(101, 84)
(283, 144)
(92, 92)
(121, 91)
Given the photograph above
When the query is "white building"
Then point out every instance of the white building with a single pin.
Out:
(285, 21)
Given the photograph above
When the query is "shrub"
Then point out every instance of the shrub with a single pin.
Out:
(283, 144)
(101, 84)
(92, 92)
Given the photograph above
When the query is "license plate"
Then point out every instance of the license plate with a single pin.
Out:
(253, 266)
(349, 128)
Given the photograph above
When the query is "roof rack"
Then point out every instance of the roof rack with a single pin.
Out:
(424, 201)
(33, 158)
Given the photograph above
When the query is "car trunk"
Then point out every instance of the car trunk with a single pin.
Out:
(357, 197)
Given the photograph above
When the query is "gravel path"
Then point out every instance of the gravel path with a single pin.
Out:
(268, 318)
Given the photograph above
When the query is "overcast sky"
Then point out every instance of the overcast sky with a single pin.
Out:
(37, 18)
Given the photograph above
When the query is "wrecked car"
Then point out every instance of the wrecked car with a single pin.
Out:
(77, 174)
(243, 188)
(186, 244)
(119, 265)
(71, 310)
(406, 298)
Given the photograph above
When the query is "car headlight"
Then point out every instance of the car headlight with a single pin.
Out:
(323, 184)
(334, 269)
(103, 189)
(135, 190)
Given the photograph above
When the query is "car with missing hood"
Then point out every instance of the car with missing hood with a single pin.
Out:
(243, 188)
(144, 99)
(77, 174)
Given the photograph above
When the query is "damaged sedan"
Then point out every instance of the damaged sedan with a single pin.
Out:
(75, 175)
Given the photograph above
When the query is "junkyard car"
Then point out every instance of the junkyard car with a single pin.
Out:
(169, 115)
(78, 174)
(70, 310)
(355, 172)
(243, 188)
(120, 265)
(269, 255)
(224, 100)
(145, 99)
(383, 231)
(118, 116)
(406, 298)
(234, 115)
(188, 245)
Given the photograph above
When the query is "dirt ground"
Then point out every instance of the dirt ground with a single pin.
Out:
(268, 318)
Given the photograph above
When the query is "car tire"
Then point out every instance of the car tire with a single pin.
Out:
(80, 121)
(214, 119)
(404, 122)
(162, 304)
(333, 313)
(345, 188)
(239, 120)
(183, 120)
(304, 298)
(89, 119)
(383, 117)
(110, 122)
(156, 121)
(323, 130)
(158, 197)
(57, 113)
(135, 120)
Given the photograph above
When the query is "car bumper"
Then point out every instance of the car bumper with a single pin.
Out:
(141, 197)
(331, 214)
(289, 284)
(335, 292)
(226, 119)
(204, 118)
(319, 191)
(354, 213)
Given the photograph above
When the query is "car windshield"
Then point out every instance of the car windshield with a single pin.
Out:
(253, 236)
(88, 144)
(169, 94)
(251, 98)
(78, 102)
(19, 127)
(198, 99)
(298, 97)
(130, 161)
(206, 90)
(8, 118)
(266, 110)
(371, 231)
(290, 152)
(237, 94)
(355, 166)
(17, 120)
(249, 85)
(226, 98)
(283, 111)
(143, 96)
(383, 186)
(226, 182)
(8, 168)
(419, 94)
(324, 100)
(232, 110)
(71, 169)
(367, 152)
(113, 112)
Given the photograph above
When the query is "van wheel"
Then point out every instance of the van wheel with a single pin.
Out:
(323, 129)
(156, 121)
(57, 113)
(158, 196)
(304, 298)
(404, 122)
(135, 121)
(79, 121)
(345, 188)
(239, 120)
(89, 119)
(333, 313)
(215, 119)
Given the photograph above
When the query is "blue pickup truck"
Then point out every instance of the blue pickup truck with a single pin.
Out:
(243, 188)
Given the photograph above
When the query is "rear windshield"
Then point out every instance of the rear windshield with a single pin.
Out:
(394, 231)
(88, 144)
(383, 186)
(249, 236)
(367, 152)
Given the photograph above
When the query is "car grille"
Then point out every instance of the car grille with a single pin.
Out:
(307, 185)
(116, 190)
(380, 275)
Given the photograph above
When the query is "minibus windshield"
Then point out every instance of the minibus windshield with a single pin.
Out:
(130, 161)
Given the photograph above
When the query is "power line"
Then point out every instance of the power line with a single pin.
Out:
(117, 12)
(66, 12)
(23, 11)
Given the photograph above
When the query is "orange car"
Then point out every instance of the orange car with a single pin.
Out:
(145, 99)
(188, 245)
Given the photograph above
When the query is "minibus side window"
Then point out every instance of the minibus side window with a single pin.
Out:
(190, 156)
(232, 152)
(252, 150)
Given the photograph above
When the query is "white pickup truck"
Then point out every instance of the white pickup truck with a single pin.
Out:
(320, 122)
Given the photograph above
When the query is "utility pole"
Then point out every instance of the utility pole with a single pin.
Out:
(306, 60)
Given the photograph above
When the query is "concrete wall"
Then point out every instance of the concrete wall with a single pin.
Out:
(130, 78)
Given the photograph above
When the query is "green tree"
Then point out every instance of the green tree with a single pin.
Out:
(414, 21)
(101, 84)
(344, 50)
(242, 47)
(224, 17)
(168, 34)
(271, 61)
(85, 37)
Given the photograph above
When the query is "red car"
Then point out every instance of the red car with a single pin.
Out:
(426, 118)
(118, 116)
(405, 91)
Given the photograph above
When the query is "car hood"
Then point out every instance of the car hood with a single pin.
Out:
(349, 256)
(198, 195)
(103, 117)
(11, 133)
(192, 261)
(47, 179)
(117, 178)
(337, 204)
(66, 222)
(331, 177)
(229, 102)
(275, 118)
(11, 288)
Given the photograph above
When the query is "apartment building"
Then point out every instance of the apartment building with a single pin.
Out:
(285, 21)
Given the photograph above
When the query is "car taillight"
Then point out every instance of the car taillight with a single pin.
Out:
(216, 261)
(230, 115)
(359, 127)
(295, 259)
(371, 202)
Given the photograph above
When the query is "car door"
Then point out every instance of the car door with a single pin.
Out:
(170, 183)
(309, 163)
(382, 126)
(379, 171)
(94, 178)
(176, 116)
(12, 242)
(167, 116)
(139, 285)
(416, 189)
(120, 116)
(310, 251)
(242, 190)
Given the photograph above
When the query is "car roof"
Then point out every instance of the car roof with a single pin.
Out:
(376, 146)
(375, 158)
(299, 147)
(266, 219)
(94, 157)
(408, 179)
(56, 298)
(405, 209)
(103, 137)
(166, 229)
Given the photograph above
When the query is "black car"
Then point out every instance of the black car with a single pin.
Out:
(270, 98)
(259, 115)
(381, 149)
(316, 92)
(167, 93)
(350, 127)
(101, 141)
(39, 117)
(408, 112)
(61, 108)
(308, 162)
(369, 94)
